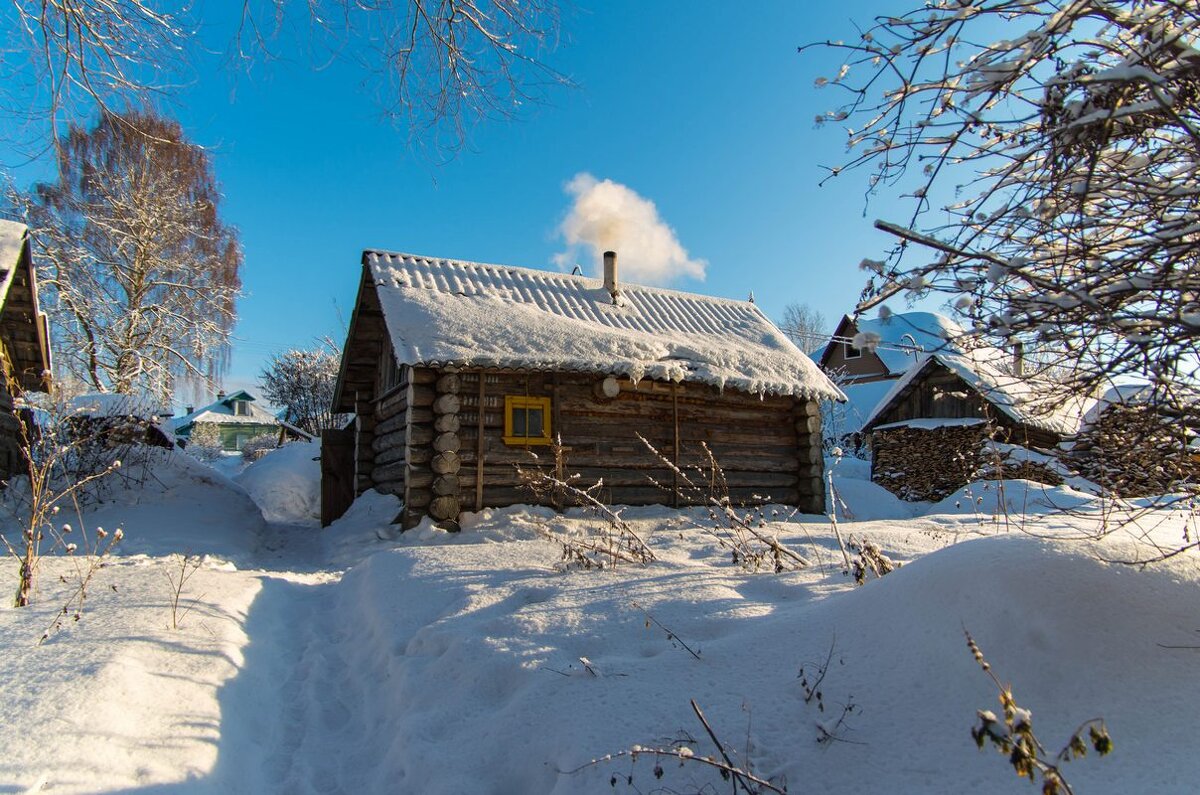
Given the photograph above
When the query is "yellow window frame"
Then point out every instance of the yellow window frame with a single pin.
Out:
(524, 402)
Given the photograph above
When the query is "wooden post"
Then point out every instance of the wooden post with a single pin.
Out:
(675, 455)
(479, 447)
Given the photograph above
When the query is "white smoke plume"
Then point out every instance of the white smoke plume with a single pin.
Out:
(609, 216)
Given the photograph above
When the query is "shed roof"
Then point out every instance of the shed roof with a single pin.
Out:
(440, 312)
(22, 323)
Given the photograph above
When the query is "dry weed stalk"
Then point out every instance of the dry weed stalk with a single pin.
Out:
(614, 543)
(741, 778)
(178, 579)
(743, 534)
(1013, 735)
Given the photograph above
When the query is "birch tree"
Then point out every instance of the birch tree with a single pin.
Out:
(1050, 156)
(437, 66)
(805, 327)
(141, 273)
(302, 382)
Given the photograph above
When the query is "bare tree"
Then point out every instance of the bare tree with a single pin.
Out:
(142, 274)
(302, 383)
(804, 326)
(1051, 155)
(440, 65)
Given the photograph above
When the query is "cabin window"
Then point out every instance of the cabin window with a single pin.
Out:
(241, 408)
(851, 352)
(526, 420)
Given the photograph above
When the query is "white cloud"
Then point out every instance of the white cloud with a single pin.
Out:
(609, 216)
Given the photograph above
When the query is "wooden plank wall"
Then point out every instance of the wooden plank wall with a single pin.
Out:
(769, 448)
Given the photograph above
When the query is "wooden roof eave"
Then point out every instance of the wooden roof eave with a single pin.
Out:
(355, 368)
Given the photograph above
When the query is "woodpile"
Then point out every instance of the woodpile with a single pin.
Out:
(1136, 451)
(929, 464)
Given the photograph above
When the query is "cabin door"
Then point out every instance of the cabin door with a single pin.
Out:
(337, 473)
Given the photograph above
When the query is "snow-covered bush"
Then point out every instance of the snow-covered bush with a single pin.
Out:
(204, 443)
(259, 446)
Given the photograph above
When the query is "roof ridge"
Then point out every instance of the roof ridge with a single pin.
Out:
(572, 278)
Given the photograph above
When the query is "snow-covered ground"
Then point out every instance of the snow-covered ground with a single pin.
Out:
(354, 659)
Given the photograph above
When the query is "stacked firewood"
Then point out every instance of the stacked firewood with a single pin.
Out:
(929, 464)
(1136, 451)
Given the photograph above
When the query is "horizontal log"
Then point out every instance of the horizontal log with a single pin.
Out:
(447, 423)
(444, 485)
(810, 455)
(449, 384)
(423, 375)
(444, 508)
(446, 443)
(392, 441)
(390, 425)
(394, 400)
(422, 395)
(393, 472)
(446, 404)
(420, 435)
(808, 425)
(446, 463)
(389, 455)
(496, 496)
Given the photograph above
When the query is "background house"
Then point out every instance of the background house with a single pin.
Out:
(864, 357)
(237, 419)
(24, 338)
(459, 372)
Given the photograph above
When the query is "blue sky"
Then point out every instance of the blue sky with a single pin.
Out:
(705, 109)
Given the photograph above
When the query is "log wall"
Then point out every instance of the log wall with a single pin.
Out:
(438, 441)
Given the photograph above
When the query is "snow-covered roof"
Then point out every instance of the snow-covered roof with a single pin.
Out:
(442, 312)
(898, 334)
(1025, 399)
(12, 237)
(1138, 394)
(111, 405)
(222, 412)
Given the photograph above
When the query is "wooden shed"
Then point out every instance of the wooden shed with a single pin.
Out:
(458, 372)
(24, 337)
(927, 432)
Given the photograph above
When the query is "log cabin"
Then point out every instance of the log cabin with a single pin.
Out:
(24, 340)
(457, 373)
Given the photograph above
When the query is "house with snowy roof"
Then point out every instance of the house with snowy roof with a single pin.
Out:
(458, 373)
(865, 356)
(237, 418)
(24, 338)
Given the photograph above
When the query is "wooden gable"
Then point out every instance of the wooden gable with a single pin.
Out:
(855, 365)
